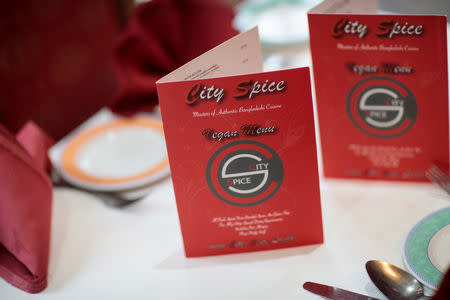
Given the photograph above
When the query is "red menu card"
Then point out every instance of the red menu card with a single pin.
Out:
(242, 152)
(381, 90)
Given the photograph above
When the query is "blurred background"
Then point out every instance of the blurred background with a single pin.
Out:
(57, 56)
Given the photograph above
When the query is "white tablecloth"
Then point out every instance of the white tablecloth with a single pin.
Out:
(100, 252)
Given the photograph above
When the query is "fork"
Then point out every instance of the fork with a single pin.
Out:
(439, 177)
(110, 199)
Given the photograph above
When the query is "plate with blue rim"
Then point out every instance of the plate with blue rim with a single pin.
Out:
(427, 248)
(280, 22)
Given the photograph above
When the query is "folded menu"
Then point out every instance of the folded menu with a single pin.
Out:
(381, 89)
(242, 151)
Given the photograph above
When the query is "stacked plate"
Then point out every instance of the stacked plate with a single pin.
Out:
(109, 153)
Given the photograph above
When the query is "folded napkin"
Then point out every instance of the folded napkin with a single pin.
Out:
(161, 36)
(25, 207)
(55, 61)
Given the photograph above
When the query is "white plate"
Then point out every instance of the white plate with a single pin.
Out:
(280, 22)
(427, 248)
(110, 153)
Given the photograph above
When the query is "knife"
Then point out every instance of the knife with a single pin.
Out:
(333, 293)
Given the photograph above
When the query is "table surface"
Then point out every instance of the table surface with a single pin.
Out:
(137, 253)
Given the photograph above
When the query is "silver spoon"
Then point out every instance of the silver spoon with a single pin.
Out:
(393, 282)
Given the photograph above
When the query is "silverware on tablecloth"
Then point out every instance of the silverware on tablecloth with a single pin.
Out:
(109, 198)
(334, 293)
(395, 283)
(439, 177)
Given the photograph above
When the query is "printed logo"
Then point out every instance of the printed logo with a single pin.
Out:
(244, 173)
(244, 90)
(381, 107)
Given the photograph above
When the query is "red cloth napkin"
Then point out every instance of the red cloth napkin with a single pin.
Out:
(161, 36)
(55, 62)
(25, 208)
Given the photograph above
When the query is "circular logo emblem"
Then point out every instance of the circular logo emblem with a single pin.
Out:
(381, 107)
(244, 173)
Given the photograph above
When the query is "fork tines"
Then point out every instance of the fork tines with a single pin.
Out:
(438, 176)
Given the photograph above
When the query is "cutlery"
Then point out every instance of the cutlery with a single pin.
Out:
(334, 293)
(439, 177)
(114, 200)
(395, 283)
(110, 199)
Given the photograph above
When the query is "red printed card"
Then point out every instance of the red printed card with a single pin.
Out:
(381, 91)
(242, 152)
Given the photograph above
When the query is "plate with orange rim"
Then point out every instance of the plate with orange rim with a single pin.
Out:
(112, 153)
